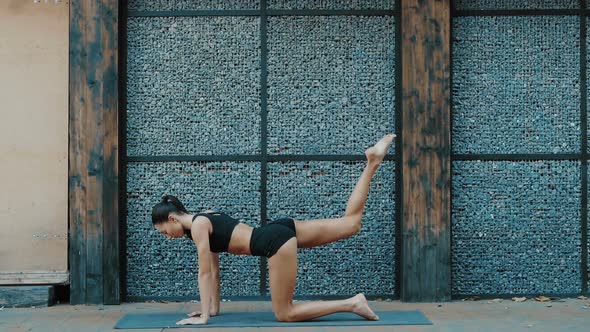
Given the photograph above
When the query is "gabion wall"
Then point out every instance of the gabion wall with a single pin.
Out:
(331, 4)
(193, 4)
(160, 267)
(516, 4)
(522, 95)
(193, 86)
(194, 89)
(516, 225)
(510, 225)
(254, 4)
(331, 81)
(311, 190)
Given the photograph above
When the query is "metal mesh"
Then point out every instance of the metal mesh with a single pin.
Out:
(193, 86)
(516, 4)
(331, 4)
(157, 267)
(516, 84)
(331, 83)
(193, 89)
(318, 190)
(516, 227)
(192, 4)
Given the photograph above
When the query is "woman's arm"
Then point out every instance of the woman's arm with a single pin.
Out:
(215, 294)
(215, 298)
(200, 234)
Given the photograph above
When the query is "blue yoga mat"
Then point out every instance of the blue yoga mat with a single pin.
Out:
(259, 319)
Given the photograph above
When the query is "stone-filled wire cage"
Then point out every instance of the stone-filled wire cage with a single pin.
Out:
(519, 142)
(263, 109)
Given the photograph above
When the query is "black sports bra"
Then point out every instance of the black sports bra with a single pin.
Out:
(223, 227)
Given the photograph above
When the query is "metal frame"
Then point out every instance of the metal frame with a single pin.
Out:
(369, 297)
(453, 15)
(260, 158)
(264, 158)
(262, 11)
(263, 132)
(519, 12)
(398, 151)
(123, 159)
(584, 147)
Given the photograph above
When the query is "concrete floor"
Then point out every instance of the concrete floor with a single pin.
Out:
(482, 315)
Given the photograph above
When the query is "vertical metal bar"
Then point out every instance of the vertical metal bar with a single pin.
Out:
(123, 15)
(451, 20)
(584, 147)
(398, 150)
(263, 133)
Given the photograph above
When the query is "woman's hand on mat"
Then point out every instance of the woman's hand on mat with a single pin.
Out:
(192, 321)
(198, 313)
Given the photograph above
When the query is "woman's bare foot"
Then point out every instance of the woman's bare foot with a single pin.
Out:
(361, 307)
(376, 153)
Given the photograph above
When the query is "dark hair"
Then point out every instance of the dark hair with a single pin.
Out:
(162, 210)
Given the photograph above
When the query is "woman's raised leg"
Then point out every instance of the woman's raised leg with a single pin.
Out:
(312, 233)
(282, 275)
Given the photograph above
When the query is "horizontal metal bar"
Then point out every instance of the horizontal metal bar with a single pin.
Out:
(368, 12)
(275, 12)
(140, 159)
(330, 12)
(508, 297)
(192, 13)
(389, 157)
(520, 12)
(270, 158)
(253, 298)
(517, 157)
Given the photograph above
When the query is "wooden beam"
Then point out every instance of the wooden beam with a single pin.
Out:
(425, 267)
(93, 152)
(33, 277)
(26, 296)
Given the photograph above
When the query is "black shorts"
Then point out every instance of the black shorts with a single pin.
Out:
(268, 239)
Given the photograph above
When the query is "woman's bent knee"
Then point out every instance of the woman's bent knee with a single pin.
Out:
(285, 315)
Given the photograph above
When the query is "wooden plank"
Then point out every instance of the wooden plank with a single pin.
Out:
(94, 220)
(110, 199)
(78, 157)
(34, 277)
(92, 69)
(26, 296)
(425, 267)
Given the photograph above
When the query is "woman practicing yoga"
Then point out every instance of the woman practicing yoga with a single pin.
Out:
(215, 232)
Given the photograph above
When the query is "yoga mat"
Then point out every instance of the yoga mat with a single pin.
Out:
(265, 319)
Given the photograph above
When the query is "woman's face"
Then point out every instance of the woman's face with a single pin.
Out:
(172, 229)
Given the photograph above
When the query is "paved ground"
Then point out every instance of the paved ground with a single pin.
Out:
(482, 315)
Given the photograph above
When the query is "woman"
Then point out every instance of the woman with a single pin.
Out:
(215, 232)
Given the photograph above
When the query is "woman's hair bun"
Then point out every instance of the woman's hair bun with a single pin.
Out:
(169, 204)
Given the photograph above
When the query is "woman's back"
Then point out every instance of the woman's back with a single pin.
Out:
(228, 234)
